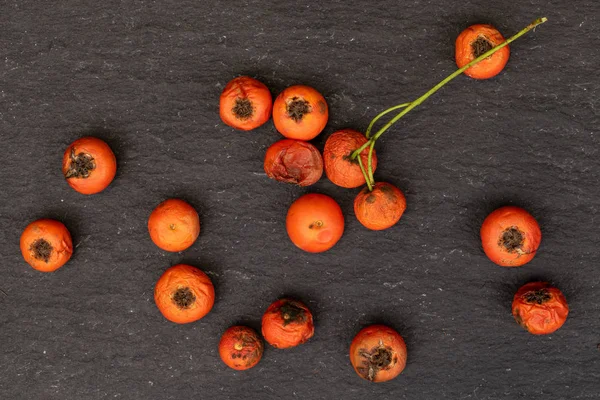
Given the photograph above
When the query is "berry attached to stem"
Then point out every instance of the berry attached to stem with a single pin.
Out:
(407, 107)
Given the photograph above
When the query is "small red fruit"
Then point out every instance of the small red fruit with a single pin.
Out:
(240, 348)
(540, 308)
(174, 225)
(380, 208)
(294, 161)
(510, 236)
(184, 294)
(474, 42)
(378, 353)
(245, 103)
(315, 222)
(89, 165)
(300, 112)
(340, 168)
(46, 245)
(287, 323)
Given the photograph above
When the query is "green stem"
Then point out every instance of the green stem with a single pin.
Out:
(381, 114)
(370, 162)
(445, 81)
(367, 179)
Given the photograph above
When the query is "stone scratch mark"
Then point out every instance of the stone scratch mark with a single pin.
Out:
(83, 241)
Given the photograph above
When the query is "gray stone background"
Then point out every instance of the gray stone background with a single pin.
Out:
(146, 76)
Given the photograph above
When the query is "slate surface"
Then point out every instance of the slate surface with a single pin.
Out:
(146, 76)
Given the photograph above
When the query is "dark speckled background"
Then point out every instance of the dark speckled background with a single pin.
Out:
(146, 77)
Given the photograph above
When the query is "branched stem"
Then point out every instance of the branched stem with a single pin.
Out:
(370, 163)
(409, 106)
(364, 172)
(381, 114)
